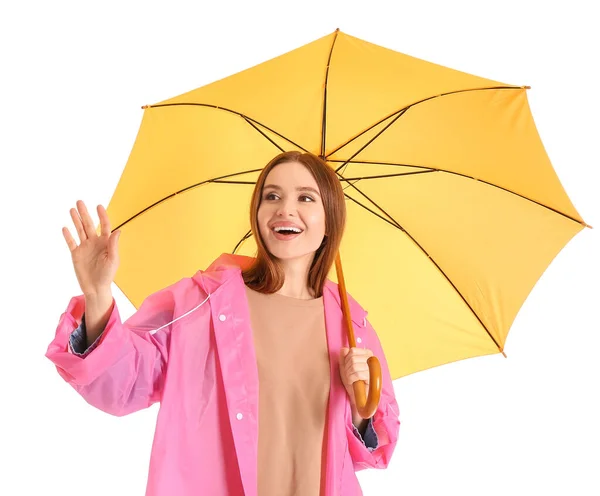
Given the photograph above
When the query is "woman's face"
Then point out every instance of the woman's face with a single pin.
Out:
(291, 217)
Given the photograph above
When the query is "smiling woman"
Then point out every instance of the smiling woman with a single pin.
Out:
(247, 358)
(301, 192)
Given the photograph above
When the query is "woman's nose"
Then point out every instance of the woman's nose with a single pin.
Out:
(286, 207)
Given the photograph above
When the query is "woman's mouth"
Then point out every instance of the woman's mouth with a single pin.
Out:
(286, 233)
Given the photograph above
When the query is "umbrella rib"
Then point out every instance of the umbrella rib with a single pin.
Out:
(373, 212)
(400, 114)
(232, 182)
(172, 195)
(383, 176)
(248, 119)
(393, 221)
(396, 224)
(261, 132)
(324, 123)
(353, 180)
(244, 238)
(464, 176)
(367, 162)
(403, 110)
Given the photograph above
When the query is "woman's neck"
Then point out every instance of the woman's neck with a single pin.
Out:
(295, 283)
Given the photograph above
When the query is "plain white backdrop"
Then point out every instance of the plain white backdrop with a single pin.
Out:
(75, 75)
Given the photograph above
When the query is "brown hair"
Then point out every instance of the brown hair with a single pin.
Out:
(266, 274)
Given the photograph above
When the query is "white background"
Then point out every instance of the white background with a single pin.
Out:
(74, 75)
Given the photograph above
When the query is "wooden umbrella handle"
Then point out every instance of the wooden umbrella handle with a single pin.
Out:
(365, 404)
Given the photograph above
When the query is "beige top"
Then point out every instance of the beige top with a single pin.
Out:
(294, 380)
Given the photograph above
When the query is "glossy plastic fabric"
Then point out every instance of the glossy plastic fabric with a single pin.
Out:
(454, 209)
(202, 368)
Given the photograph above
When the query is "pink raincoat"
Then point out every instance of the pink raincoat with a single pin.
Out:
(190, 347)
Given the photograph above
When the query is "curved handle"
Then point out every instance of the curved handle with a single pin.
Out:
(365, 404)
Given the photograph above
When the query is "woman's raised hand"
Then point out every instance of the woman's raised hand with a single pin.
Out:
(96, 257)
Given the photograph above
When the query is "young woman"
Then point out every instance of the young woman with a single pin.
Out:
(248, 358)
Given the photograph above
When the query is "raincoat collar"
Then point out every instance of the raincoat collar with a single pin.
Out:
(228, 266)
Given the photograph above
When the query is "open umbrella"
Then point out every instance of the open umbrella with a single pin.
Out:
(454, 209)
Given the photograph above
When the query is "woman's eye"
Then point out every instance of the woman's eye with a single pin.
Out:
(302, 198)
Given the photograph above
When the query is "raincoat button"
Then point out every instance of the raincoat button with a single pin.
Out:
(222, 317)
(358, 340)
(239, 416)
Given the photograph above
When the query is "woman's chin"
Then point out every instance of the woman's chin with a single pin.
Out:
(289, 253)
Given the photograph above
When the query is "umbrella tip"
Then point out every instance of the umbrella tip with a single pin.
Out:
(145, 107)
(526, 87)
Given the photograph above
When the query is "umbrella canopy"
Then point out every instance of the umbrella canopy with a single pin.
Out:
(454, 209)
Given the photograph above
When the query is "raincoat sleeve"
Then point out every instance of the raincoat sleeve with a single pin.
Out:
(369, 439)
(78, 340)
(124, 371)
(385, 422)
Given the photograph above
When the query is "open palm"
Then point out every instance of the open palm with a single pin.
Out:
(96, 257)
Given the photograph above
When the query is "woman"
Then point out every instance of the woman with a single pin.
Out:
(204, 345)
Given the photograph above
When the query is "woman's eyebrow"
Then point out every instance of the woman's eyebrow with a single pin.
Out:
(308, 188)
(300, 188)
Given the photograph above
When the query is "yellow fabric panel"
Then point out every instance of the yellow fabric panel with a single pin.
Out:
(489, 135)
(262, 93)
(368, 82)
(421, 321)
(491, 244)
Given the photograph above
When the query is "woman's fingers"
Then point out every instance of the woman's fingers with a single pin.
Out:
(86, 220)
(357, 356)
(71, 243)
(84, 225)
(357, 375)
(355, 365)
(104, 221)
(353, 368)
(358, 352)
(78, 225)
(352, 378)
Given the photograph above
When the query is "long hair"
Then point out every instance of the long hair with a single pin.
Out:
(266, 273)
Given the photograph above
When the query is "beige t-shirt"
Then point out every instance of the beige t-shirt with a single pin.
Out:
(294, 381)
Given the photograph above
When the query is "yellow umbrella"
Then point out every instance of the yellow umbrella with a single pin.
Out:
(454, 209)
